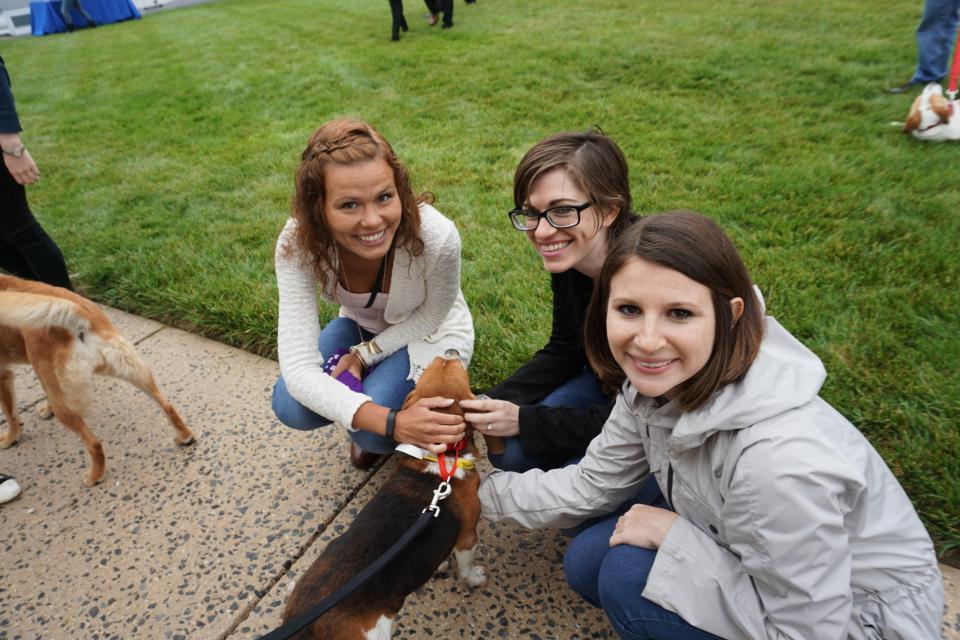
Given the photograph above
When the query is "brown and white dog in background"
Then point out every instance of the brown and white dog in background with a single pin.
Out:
(67, 339)
(369, 611)
(932, 116)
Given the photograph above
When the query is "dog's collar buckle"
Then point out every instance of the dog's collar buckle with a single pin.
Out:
(439, 494)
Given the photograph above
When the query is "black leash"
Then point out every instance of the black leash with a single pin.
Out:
(296, 624)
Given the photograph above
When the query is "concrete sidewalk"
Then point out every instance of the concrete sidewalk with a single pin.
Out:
(204, 542)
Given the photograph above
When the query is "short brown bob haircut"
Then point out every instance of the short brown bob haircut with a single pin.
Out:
(592, 160)
(697, 247)
(346, 141)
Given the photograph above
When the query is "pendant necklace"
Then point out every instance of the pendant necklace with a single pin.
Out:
(377, 284)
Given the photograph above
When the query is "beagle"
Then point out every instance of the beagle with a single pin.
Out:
(369, 611)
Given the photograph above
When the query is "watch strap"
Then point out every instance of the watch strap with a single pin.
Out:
(16, 152)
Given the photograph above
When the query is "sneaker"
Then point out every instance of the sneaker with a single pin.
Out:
(9, 488)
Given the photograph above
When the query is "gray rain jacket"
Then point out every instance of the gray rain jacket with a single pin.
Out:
(791, 525)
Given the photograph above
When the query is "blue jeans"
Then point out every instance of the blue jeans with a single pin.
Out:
(387, 385)
(581, 391)
(614, 577)
(936, 35)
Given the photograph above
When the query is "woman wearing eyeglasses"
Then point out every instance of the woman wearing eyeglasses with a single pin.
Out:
(572, 197)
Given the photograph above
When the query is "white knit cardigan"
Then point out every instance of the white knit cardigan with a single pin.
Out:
(426, 312)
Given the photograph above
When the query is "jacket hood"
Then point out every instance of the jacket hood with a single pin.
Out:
(785, 375)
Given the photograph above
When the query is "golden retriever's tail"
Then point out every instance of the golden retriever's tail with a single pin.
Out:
(31, 310)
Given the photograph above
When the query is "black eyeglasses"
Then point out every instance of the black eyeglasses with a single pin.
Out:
(562, 217)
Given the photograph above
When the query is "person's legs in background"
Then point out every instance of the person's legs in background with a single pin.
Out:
(26, 250)
(86, 16)
(936, 36)
(399, 22)
(65, 8)
(447, 7)
(579, 392)
(433, 11)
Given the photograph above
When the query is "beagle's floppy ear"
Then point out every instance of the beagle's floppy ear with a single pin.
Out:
(940, 106)
(411, 398)
(494, 445)
(913, 120)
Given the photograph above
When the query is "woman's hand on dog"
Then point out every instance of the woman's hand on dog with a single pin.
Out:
(420, 425)
(494, 418)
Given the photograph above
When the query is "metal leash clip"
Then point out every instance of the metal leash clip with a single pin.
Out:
(439, 494)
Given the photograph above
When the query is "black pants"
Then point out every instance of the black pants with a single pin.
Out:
(399, 22)
(444, 6)
(26, 250)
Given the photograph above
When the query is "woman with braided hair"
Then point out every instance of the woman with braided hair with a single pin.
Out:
(392, 263)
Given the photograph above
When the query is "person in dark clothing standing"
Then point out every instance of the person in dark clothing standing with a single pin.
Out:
(65, 8)
(26, 250)
(572, 197)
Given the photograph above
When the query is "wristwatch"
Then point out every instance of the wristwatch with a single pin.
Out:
(16, 152)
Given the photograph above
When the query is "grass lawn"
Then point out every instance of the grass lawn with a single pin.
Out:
(167, 148)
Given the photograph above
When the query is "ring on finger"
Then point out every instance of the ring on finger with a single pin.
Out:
(489, 426)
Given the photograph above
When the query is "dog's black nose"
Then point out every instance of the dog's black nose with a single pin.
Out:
(451, 354)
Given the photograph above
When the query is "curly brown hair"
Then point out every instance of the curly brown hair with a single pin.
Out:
(346, 141)
(697, 247)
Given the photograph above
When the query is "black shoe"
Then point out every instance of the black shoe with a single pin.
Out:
(394, 37)
(70, 28)
(906, 86)
(92, 24)
(448, 26)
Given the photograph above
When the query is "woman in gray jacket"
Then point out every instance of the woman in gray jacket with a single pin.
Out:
(777, 520)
